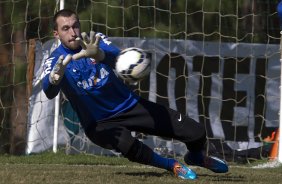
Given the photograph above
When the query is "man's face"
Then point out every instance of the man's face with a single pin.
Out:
(68, 30)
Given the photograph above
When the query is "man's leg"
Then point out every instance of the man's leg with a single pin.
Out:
(155, 119)
(112, 136)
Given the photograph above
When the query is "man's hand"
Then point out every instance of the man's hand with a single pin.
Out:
(90, 47)
(58, 70)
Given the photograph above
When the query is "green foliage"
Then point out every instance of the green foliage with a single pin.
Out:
(223, 20)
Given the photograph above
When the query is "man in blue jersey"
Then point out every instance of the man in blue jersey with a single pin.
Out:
(108, 110)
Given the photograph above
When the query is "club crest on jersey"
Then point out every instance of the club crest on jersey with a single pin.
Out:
(93, 61)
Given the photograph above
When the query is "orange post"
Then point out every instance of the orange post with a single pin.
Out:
(274, 150)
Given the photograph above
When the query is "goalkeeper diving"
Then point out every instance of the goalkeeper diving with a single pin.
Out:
(82, 68)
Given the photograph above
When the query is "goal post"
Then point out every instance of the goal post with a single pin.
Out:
(57, 105)
(279, 11)
(280, 112)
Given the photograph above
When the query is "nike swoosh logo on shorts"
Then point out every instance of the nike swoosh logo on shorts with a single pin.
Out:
(180, 117)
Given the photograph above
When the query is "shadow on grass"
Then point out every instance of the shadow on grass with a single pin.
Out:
(208, 177)
(223, 178)
(145, 174)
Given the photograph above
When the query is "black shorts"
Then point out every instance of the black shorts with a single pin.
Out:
(148, 118)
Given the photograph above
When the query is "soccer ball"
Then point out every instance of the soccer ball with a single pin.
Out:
(133, 64)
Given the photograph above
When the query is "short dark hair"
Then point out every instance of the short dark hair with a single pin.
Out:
(62, 13)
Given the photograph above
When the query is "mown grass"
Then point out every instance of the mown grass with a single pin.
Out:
(60, 168)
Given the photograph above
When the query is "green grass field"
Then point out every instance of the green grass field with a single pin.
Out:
(60, 168)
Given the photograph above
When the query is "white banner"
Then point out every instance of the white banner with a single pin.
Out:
(231, 87)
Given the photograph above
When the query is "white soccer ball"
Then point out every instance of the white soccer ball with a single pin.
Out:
(133, 64)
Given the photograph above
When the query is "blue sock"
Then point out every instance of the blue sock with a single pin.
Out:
(162, 162)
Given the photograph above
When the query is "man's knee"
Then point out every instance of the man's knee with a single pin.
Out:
(112, 137)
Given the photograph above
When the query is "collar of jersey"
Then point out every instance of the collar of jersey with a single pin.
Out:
(69, 51)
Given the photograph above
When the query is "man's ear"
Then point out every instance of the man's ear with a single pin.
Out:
(56, 34)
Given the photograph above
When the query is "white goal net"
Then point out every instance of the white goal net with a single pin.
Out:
(216, 61)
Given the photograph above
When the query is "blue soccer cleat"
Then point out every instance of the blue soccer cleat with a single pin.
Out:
(183, 172)
(212, 163)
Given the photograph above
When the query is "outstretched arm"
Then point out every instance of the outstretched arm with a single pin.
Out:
(53, 76)
(90, 47)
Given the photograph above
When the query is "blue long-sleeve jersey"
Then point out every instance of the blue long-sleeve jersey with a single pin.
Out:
(93, 89)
